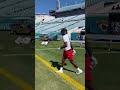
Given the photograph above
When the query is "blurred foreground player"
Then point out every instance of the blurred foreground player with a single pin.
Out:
(90, 63)
(88, 74)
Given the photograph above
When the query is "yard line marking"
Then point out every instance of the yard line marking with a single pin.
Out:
(79, 48)
(22, 47)
(16, 80)
(46, 49)
(74, 83)
(55, 48)
(18, 54)
(106, 52)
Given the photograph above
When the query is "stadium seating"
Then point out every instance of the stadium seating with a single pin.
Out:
(99, 8)
(65, 25)
(69, 22)
(54, 22)
(9, 8)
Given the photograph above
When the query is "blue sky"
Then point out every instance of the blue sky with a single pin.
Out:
(43, 6)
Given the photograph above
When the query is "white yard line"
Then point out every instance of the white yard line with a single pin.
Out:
(106, 52)
(55, 48)
(47, 49)
(79, 48)
(18, 55)
(23, 47)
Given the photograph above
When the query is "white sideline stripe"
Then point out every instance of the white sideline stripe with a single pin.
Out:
(106, 52)
(79, 48)
(46, 48)
(22, 47)
(18, 54)
(56, 48)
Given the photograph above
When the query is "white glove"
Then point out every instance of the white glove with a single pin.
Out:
(74, 52)
(94, 59)
(93, 62)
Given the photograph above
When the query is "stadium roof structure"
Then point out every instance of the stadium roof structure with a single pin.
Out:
(18, 18)
(94, 2)
(10, 19)
(100, 9)
(41, 14)
(71, 7)
(17, 8)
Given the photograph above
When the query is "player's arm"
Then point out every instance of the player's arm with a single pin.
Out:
(64, 46)
(71, 45)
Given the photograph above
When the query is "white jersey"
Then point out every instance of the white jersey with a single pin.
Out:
(66, 38)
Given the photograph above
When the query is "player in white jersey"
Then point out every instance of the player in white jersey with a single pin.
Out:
(68, 52)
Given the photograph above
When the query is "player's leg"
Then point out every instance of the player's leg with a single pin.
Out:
(62, 64)
(63, 61)
(71, 59)
(78, 71)
(72, 62)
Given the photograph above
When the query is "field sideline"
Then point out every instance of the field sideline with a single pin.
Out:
(53, 57)
(16, 63)
(106, 73)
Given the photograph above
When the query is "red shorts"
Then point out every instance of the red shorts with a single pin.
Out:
(68, 55)
(88, 75)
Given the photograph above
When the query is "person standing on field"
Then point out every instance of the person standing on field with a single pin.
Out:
(68, 52)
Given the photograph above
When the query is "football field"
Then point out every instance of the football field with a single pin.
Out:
(46, 78)
(16, 64)
(106, 73)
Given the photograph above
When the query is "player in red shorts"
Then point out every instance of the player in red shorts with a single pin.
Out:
(88, 73)
(68, 52)
(90, 63)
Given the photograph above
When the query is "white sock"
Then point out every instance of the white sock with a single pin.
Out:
(61, 68)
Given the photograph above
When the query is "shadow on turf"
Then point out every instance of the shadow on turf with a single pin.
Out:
(57, 65)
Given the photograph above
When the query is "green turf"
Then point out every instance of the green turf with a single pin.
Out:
(20, 66)
(46, 79)
(6, 84)
(54, 58)
(106, 74)
(54, 44)
(101, 45)
(7, 44)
